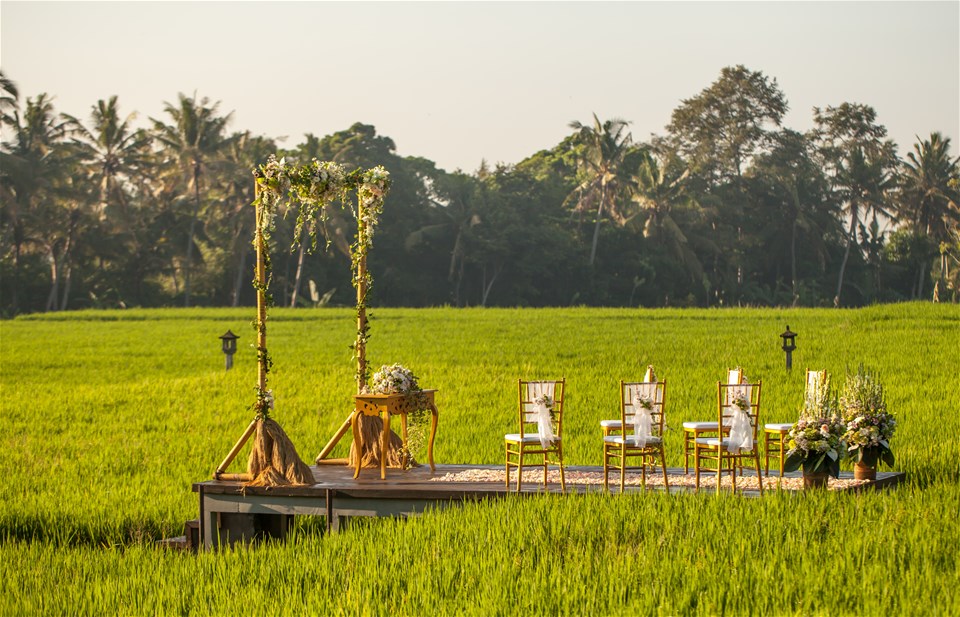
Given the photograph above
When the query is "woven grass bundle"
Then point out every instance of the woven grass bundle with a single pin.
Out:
(371, 428)
(274, 460)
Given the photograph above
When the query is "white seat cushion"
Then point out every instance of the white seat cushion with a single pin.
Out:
(714, 442)
(610, 424)
(783, 428)
(632, 440)
(700, 425)
(527, 438)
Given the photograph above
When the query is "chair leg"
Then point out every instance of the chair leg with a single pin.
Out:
(544, 471)
(735, 461)
(563, 481)
(606, 470)
(623, 465)
(519, 468)
(686, 452)
(506, 477)
(663, 466)
(643, 470)
(756, 457)
(782, 435)
(696, 464)
(766, 453)
(719, 466)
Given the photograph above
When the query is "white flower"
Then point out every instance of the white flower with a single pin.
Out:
(394, 379)
(543, 399)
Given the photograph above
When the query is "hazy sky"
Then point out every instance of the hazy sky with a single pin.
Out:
(458, 82)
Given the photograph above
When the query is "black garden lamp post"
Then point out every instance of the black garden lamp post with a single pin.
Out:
(229, 347)
(789, 345)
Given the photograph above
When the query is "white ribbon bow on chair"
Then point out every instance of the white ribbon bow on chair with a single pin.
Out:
(542, 403)
(741, 431)
(642, 416)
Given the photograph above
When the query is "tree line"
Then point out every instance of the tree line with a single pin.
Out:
(727, 207)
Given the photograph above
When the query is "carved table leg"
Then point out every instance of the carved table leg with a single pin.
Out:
(355, 423)
(405, 455)
(384, 441)
(433, 432)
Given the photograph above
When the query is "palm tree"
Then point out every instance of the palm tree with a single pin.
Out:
(792, 189)
(605, 147)
(861, 162)
(113, 150)
(930, 195)
(236, 192)
(865, 184)
(32, 163)
(660, 190)
(456, 198)
(9, 99)
(194, 139)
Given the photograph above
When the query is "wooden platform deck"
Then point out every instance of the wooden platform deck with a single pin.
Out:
(230, 512)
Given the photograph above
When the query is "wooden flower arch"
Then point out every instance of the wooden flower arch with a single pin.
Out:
(309, 190)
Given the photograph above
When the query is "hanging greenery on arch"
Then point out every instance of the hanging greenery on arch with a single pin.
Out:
(311, 189)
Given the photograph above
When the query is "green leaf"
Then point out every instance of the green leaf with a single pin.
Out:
(819, 463)
(793, 461)
(887, 456)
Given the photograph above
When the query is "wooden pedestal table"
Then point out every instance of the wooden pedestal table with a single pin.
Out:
(386, 405)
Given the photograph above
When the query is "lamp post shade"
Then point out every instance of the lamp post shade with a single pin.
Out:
(229, 340)
(789, 345)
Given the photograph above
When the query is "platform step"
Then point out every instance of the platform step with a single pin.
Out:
(191, 529)
(179, 543)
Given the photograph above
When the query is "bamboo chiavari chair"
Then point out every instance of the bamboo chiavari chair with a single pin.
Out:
(649, 448)
(609, 427)
(775, 434)
(529, 440)
(693, 430)
(720, 449)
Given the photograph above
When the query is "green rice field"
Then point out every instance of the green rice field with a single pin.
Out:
(109, 417)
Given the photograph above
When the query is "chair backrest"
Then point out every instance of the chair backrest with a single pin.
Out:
(811, 391)
(814, 379)
(529, 390)
(735, 375)
(728, 393)
(655, 390)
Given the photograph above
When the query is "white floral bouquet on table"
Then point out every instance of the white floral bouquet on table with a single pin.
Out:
(398, 379)
(395, 379)
(869, 426)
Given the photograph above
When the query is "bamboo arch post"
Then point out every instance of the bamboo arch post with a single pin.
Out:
(360, 347)
(261, 344)
(368, 433)
(269, 434)
(362, 326)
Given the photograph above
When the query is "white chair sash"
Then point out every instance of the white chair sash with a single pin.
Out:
(541, 411)
(741, 431)
(644, 396)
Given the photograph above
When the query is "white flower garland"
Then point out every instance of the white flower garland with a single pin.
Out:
(316, 186)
